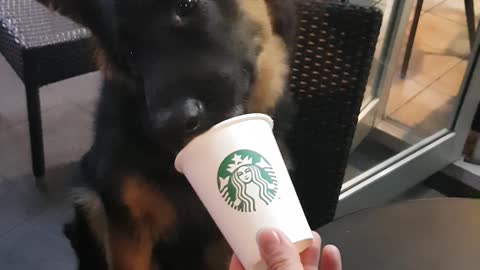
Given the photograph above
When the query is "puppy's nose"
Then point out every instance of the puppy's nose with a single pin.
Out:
(193, 110)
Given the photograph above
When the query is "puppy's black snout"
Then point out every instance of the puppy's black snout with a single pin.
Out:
(193, 113)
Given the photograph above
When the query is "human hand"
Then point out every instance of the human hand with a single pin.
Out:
(280, 254)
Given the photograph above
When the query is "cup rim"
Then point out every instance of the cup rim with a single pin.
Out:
(220, 126)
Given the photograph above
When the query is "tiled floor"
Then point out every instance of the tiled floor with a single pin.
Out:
(30, 221)
(426, 99)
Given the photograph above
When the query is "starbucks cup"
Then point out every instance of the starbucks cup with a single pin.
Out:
(238, 173)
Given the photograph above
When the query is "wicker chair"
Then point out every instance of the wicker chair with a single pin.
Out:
(42, 48)
(334, 51)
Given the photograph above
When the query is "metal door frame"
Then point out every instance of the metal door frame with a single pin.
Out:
(413, 165)
(383, 79)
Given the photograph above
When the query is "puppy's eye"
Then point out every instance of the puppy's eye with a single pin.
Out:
(185, 8)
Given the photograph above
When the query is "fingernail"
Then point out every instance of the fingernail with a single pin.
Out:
(268, 240)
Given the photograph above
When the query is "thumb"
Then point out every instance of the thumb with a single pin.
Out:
(277, 251)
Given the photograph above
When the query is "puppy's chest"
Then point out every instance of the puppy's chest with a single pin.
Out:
(194, 234)
(156, 194)
(190, 218)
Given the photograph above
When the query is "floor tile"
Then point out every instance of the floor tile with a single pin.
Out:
(401, 92)
(425, 68)
(81, 90)
(454, 10)
(59, 180)
(12, 92)
(427, 113)
(31, 234)
(53, 219)
(4, 123)
(441, 36)
(29, 245)
(451, 81)
(428, 4)
(67, 135)
(13, 105)
(20, 201)
(15, 154)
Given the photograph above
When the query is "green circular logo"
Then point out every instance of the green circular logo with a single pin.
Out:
(245, 179)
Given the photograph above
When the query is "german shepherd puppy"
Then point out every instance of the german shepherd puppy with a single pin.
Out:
(171, 70)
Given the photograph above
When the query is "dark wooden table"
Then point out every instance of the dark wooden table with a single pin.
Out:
(434, 234)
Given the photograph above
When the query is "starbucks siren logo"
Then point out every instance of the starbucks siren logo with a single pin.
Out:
(245, 179)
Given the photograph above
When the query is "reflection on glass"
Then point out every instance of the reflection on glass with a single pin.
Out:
(426, 99)
(386, 6)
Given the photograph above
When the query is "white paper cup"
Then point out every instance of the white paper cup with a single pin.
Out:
(239, 174)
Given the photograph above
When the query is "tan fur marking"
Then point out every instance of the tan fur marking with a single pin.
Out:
(152, 213)
(102, 64)
(131, 253)
(272, 76)
(272, 62)
(100, 58)
(148, 206)
(257, 11)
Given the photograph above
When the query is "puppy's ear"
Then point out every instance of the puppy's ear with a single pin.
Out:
(97, 15)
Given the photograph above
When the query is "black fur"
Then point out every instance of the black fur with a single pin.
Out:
(87, 248)
(284, 20)
(159, 57)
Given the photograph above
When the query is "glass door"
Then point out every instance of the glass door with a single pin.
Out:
(425, 88)
(372, 96)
